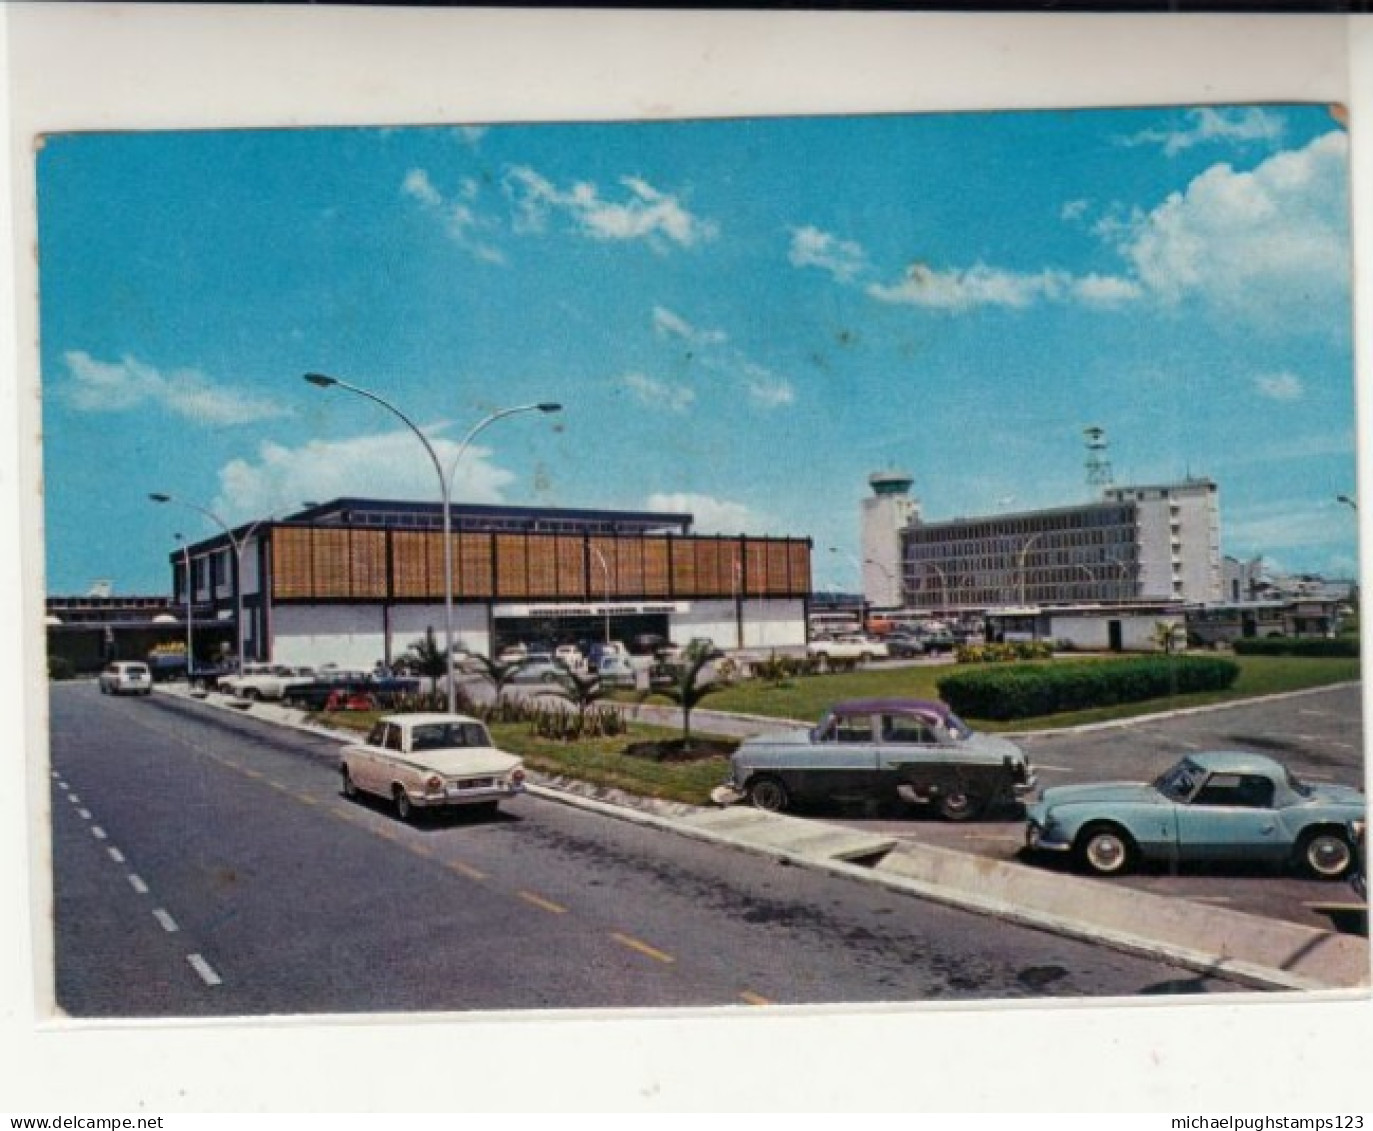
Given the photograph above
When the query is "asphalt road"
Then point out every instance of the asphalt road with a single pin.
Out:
(1318, 734)
(207, 864)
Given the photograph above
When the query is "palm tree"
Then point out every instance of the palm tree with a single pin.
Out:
(688, 688)
(583, 690)
(497, 674)
(429, 658)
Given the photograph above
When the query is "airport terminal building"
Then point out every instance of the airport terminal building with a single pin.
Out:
(1151, 544)
(355, 581)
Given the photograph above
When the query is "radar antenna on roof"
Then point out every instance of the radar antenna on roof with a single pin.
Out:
(1098, 462)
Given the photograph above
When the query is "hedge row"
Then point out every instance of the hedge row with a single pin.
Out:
(1298, 646)
(1023, 691)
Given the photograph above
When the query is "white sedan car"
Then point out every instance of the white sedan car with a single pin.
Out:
(122, 676)
(425, 761)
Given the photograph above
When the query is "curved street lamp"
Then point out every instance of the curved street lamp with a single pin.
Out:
(324, 381)
(238, 544)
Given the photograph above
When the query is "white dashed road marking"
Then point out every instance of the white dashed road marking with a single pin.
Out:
(97, 832)
(115, 855)
(204, 969)
(136, 882)
(168, 923)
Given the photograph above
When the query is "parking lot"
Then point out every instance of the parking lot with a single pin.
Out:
(1318, 735)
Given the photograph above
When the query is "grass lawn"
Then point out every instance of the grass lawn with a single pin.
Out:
(806, 698)
(603, 761)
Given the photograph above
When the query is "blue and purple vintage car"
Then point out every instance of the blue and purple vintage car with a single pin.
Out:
(916, 750)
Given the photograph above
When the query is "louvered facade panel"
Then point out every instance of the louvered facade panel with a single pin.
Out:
(410, 575)
(512, 567)
(368, 562)
(472, 558)
(291, 564)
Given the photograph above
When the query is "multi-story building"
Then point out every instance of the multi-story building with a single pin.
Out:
(354, 581)
(1145, 544)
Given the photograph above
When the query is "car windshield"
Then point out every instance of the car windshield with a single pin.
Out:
(957, 727)
(443, 736)
(1177, 783)
(1297, 786)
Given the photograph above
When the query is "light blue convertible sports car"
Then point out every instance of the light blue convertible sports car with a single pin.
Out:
(1221, 807)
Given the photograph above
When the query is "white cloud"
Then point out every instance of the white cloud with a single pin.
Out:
(671, 325)
(387, 465)
(121, 386)
(976, 286)
(1244, 125)
(1255, 245)
(461, 222)
(1280, 386)
(646, 213)
(767, 390)
(659, 394)
(810, 247)
(1106, 290)
(713, 516)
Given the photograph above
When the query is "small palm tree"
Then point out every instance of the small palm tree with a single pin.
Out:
(497, 674)
(429, 658)
(583, 690)
(688, 687)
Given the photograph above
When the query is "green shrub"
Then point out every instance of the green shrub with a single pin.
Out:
(1343, 646)
(1026, 690)
(1016, 651)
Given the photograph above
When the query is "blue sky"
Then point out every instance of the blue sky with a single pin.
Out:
(743, 318)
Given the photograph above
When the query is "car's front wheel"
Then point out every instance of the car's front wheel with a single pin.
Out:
(405, 808)
(768, 794)
(350, 787)
(1105, 850)
(1325, 854)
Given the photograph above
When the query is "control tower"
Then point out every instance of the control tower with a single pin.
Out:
(885, 514)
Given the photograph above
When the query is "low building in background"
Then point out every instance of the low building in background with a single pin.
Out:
(355, 581)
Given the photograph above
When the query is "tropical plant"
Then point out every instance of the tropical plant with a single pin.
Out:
(427, 658)
(582, 689)
(691, 683)
(499, 675)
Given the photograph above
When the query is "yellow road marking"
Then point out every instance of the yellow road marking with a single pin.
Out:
(754, 999)
(466, 870)
(539, 901)
(642, 947)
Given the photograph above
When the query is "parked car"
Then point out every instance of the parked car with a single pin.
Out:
(1358, 874)
(904, 645)
(539, 669)
(341, 689)
(1219, 807)
(430, 761)
(512, 654)
(570, 656)
(616, 671)
(126, 676)
(850, 648)
(229, 682)
(915, 750)
(272, 684)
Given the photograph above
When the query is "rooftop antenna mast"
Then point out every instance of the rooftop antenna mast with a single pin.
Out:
(1099, 474)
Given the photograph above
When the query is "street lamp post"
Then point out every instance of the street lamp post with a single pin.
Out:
(605, 569)
(324, 381)
(190, 637)
(159, 497)
(238, 544)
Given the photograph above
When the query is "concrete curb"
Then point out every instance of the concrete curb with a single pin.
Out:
(1257, 952)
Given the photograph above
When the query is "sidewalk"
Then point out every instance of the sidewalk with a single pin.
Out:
(1259, 952)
